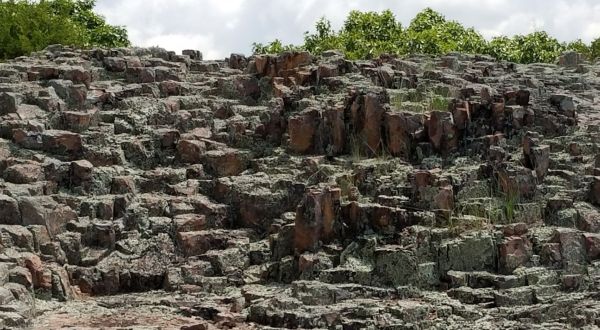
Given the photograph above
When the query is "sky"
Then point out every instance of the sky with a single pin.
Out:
(220, 27)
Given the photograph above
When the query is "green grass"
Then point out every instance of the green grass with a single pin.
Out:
(417, 100)
(437, 102)
(355, 148)
(510, 201)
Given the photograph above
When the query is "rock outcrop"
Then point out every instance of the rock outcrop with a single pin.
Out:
(143, 188)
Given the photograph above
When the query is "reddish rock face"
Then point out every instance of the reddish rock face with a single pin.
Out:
(238, 61)
(443, 134)
(519, 181)
(191, 151)
(373, 115)
(82, 171)
(168, 137)
(39, 276)
(80, 121)
(592, 246)
(292, 60)
(399, 129)
(335, 129)
(140, 75)
(498, 116)
(423, 179)
(189, 222)
(283, 65)
(513, 252)
(327, 70)
(78, 75)
(123, 185)
(444, 199)
(461, 117)
(302, 129)
(24, 173)
(226, 162)
(46, 212)
(316, 218)
(62, 141)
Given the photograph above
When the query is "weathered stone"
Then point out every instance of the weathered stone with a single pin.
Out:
(592, 246)
(517, 182)
(46, 212)
(24, 173)
(303, 129)
(442, 131)
(570, 59)
(62, 142)
(316, 219)
(9, 211)
(371, 129)
(537, 157)
(400, 128)
(513, 252)
(238, 61)
(572, 246)
(189, 222)
(82, 171)
(226, 162)
(122, 173)
(140, 75)
(191, 151)
(80, 121)
(193, 54)
(10, 102)
(474, 252)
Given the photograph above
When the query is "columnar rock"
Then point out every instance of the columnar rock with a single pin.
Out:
(316, 219)
(297, 191)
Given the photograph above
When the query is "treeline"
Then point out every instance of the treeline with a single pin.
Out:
(366, 35)
(27, 26)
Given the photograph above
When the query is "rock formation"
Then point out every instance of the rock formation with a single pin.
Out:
(143, 188)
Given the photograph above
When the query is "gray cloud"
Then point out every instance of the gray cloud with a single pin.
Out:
(220, 27)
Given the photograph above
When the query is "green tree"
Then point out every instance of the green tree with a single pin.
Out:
(369, 34)
(580, 47)
(274, 47)
(366, 35)
(27, 26)
(430, 33)
(538, 47)
(325, 38)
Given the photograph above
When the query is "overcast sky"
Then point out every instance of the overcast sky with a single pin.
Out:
(220, 27)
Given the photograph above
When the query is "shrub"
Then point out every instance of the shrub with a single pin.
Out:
(27, 26)
(366, 35)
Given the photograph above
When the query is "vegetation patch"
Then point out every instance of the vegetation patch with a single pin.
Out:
(366, 35)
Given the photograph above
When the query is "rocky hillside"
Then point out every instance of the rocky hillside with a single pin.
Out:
(140, 188)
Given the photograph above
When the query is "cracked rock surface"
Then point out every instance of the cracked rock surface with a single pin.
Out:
(142, 189)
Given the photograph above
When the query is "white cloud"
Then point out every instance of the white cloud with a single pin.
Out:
(221, 27)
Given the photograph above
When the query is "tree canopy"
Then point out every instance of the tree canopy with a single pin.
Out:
(27, 26)
(366, 35)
